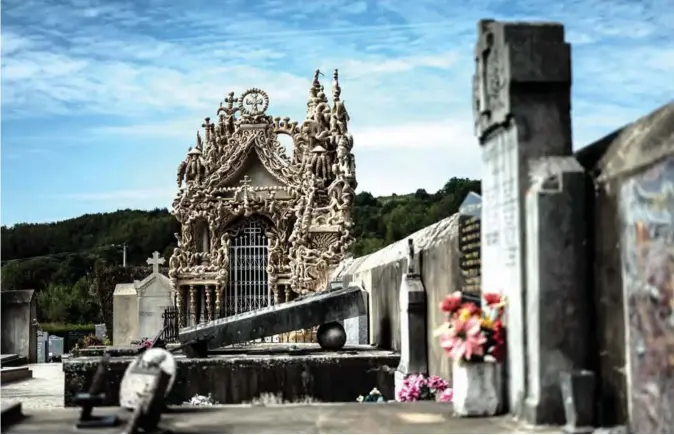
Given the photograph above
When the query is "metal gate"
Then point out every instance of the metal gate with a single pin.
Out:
(248, 286)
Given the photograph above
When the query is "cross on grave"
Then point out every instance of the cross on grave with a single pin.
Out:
(245, 182)
(155, 261)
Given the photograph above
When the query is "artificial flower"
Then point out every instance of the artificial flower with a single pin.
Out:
(451, 303)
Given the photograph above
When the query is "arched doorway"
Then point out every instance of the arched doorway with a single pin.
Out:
(248, 283)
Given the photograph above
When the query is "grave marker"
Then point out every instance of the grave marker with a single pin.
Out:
(101, 330)
(470, 218)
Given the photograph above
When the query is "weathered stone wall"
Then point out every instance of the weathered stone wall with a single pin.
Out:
(380, 274)
(633, 208)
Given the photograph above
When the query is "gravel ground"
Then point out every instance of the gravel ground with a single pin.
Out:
(45, 390)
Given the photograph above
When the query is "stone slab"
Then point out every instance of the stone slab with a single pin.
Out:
(304, 312)
(44, 390)
(420, 417)
(15, 374)
(235, 376)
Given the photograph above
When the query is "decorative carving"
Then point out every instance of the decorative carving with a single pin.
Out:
(306, 210)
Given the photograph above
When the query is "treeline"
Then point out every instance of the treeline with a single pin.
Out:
(74, 264)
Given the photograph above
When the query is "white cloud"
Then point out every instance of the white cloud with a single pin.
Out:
(119, 196)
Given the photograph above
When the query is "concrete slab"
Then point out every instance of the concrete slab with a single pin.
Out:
(419, 417)
(14, 374)
(44, 390)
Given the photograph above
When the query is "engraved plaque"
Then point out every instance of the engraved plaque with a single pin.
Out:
(470, 218)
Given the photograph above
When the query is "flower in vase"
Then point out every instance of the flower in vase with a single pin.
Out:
(446, 396)
(464, 339)
(451, 303)
(492, 299)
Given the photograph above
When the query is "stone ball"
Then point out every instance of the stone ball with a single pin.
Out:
(331, 336)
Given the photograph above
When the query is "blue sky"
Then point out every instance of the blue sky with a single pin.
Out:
(101, 99)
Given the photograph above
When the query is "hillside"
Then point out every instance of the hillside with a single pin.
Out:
(66, 260)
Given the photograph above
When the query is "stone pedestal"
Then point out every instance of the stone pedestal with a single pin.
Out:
(557, 295)
(477, 388)
(413, 351)
(522, 111)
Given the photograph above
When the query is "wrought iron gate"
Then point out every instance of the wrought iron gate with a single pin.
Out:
(248, 286)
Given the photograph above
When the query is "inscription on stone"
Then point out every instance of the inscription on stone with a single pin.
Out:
(470, 219)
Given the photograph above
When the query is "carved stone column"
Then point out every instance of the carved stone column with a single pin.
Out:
(193, 305)
(209, 307)
(218, 301)
(179, 305)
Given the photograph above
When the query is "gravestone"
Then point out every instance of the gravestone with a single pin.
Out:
(56, 346)
(101, 330)
(124, 314)
(522, 109)
(557, 307)
(470, 217)
(155, 294)
(42, 346)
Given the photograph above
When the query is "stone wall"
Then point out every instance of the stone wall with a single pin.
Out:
(633, 254)
(380, 274)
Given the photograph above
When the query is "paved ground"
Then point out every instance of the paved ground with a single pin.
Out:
(45, 390)
(419, 417)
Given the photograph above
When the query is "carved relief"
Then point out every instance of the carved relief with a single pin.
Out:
(308, 210)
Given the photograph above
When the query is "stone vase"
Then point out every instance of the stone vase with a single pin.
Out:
(477, 388)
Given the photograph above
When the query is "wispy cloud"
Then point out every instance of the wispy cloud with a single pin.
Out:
(145, 74)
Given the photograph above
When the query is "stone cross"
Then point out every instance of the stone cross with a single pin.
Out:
(155, 261)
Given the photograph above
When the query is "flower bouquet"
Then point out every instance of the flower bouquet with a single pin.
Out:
(474, 338)
(419, 387)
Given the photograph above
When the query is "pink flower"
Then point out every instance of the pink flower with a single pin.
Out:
(451, 303)
(447, 395)
(464, 339)
(437, 384)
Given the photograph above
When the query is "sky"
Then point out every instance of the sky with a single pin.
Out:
(101, 99)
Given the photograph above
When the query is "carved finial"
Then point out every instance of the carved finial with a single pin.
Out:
(245, 182)
(336, 89)
(316, 83)
(199, 145)
(231, 101)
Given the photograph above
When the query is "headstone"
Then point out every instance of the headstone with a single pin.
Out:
(124, 314)
(302, 313)
(470, 217)
(155, 294)
(101, 330)
(56, 345)
(557, 308)
(413, 336)
(42, 346)
(522, 111)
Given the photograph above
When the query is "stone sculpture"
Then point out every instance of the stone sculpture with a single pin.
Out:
(305, 213)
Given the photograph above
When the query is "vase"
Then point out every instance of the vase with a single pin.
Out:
(477, 388)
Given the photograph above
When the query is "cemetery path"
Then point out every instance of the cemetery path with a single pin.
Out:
(44, 390)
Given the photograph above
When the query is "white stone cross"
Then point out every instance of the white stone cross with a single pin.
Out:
(155, 261)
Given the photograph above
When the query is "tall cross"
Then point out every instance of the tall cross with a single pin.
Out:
(155, 261)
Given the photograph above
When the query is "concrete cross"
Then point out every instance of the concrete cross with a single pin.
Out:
(155, 261)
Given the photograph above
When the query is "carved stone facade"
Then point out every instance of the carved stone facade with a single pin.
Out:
(239, 194)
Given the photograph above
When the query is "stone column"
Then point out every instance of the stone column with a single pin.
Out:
(522, 111)
(209, 308)
(413, 351)
(193, 305)
(179, 305)
(557, 294)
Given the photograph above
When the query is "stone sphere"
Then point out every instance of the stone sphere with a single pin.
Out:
(331, 336)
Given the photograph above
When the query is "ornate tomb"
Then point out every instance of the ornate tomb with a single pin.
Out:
(259, 226)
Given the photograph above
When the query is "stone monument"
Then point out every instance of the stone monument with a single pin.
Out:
(138, 307)
(258, 226)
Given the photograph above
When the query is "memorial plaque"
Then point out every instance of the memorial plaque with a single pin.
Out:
(470, 218)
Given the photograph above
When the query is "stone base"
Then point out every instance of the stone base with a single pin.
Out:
(237, 375)
(14, 374)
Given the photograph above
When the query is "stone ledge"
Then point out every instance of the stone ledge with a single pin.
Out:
(236, 377)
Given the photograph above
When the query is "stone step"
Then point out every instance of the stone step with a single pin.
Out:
(15, 374)
(12, 360)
